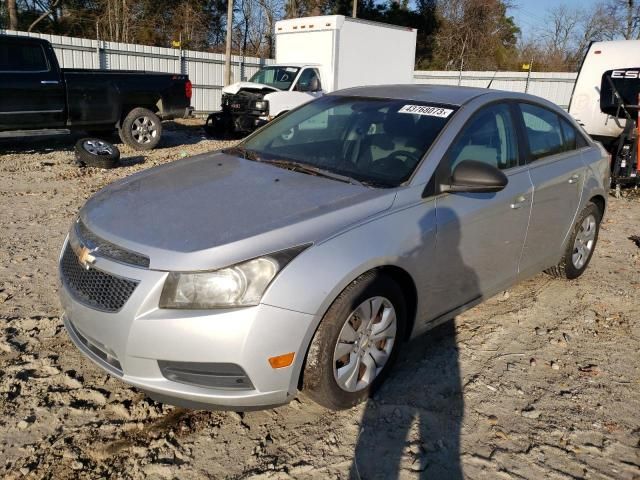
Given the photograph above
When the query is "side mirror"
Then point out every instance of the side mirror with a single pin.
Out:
(476, 177)
(314, 84)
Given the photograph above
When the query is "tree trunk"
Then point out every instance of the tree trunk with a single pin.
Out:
(13, 14)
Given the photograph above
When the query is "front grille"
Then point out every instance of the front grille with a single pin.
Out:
(94, 287)
(109, 250)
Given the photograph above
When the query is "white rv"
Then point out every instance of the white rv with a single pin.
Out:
(585, 104)
(314, 56)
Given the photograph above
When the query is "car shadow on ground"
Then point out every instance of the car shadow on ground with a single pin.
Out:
(413, 422)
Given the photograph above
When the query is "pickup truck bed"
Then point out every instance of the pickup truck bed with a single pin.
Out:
(38, 97)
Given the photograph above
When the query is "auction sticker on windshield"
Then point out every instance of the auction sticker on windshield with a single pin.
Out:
(426, 110)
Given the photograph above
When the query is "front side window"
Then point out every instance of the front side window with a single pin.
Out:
(277, 77)
(489, 138)
(543, 130)
(22, 58)
(309, 81)
(375, 141)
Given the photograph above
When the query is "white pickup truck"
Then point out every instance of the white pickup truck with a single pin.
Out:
(314, 56)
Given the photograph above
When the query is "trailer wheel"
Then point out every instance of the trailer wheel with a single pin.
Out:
(93, 152)
(141, 129)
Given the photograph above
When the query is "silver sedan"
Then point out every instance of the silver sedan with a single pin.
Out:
(305, 256)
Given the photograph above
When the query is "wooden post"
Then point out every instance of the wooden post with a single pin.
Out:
(227, 59)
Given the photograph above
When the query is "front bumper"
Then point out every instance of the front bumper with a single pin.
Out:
(130, 343)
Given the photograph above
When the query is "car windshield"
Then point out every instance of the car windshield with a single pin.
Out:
(378, 142)
(277, 77)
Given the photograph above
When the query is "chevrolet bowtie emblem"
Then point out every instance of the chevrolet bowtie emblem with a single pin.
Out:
(84, 254)
(85, 258)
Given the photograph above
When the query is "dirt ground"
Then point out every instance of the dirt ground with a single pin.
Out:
(542, 381)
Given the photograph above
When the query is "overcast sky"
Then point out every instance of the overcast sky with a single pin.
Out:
(530, 14)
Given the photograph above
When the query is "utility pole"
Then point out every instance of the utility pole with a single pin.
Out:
(227, 58)
(355, 8)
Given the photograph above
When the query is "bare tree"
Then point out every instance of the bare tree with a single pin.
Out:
(48, 11)
(625, 19)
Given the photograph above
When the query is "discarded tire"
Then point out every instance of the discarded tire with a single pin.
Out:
(94, 152)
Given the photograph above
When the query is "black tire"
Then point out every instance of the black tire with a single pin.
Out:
(215, 125)
(319, 382)
(94, 152)
(566, 268)
(141, 129)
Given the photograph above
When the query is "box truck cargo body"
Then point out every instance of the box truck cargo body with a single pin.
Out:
(314, 56)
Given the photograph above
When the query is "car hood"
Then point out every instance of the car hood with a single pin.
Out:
(236, 87)
(214, 210)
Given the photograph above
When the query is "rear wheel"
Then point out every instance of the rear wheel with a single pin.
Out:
(356, 343)
(141, 129)
(581, 244)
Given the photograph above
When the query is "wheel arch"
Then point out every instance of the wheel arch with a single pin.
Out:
(398, 274)
(599, 202)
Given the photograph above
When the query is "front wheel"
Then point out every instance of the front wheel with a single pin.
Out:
(581, 244)
(141, 129)
(356, 343)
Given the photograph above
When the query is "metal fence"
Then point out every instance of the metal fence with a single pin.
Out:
(206, 70)
(554, 86)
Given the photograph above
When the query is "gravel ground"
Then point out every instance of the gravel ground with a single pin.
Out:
(541, 381)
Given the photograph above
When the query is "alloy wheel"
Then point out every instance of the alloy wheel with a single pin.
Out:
(583, 244)
(365, 344)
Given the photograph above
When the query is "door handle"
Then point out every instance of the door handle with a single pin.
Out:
(49, 82)
(574, 178)
(518, 202)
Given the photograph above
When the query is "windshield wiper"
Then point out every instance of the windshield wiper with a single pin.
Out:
(242, 152)
(321, 172)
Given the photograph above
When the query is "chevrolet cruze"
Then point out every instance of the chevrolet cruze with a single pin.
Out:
(304, 257)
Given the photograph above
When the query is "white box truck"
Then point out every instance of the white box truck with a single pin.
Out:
(314, 56)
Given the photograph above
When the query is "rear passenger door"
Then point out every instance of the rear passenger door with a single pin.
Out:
(480, 236)
(557, 173)
(31, 92)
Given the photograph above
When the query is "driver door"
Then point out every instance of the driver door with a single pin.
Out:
(480, 236)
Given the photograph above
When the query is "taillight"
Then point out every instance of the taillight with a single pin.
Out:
(188, 89)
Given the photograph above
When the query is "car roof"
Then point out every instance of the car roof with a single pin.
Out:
(447, 94)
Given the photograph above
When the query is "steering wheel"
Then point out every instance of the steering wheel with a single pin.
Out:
(400, 159)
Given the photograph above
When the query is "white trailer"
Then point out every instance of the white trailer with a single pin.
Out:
(585, 100)
(314, 56)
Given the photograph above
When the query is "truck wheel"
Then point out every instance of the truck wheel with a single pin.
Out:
(580, 246)
(94, 152)
(141, 129)
(356, 343)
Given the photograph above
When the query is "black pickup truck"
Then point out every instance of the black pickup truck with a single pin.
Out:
(37, 97)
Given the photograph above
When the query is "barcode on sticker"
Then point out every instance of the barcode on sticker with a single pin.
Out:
(426, 110)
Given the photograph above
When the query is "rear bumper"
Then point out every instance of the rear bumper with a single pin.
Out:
(188, 112)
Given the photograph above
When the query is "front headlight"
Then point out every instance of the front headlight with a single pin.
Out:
(240, 285)
(261, 105)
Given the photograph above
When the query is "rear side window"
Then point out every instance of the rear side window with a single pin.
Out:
(22, 57)
(543, 131)
(572, 138)
(489, 138)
